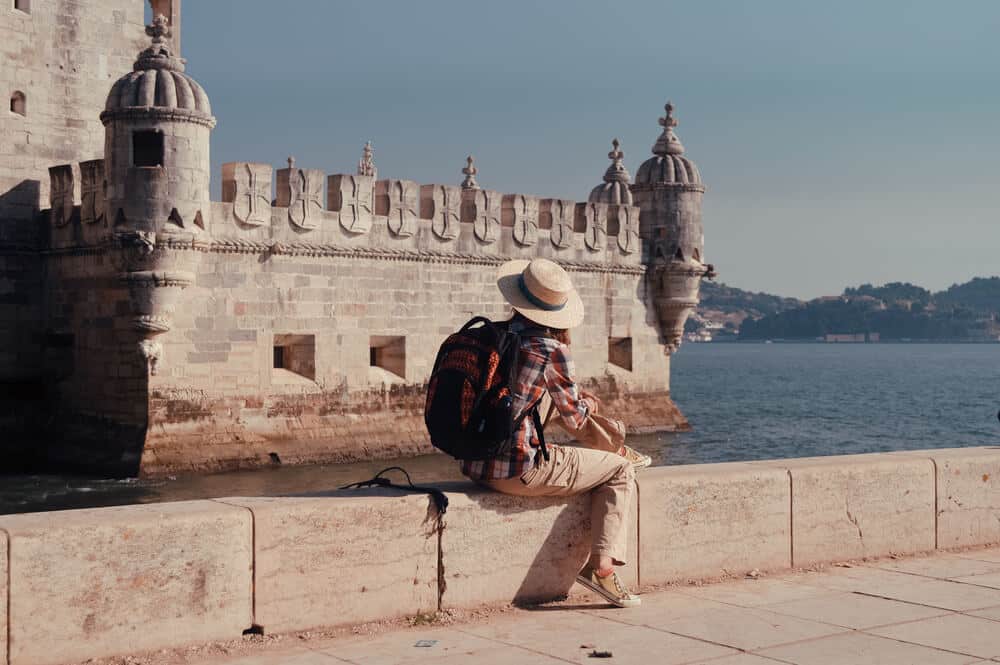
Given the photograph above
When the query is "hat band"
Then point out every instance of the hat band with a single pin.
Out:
(540, 304)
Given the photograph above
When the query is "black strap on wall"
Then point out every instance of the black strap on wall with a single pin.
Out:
(439, 497)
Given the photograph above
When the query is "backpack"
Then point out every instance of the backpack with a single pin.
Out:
(469, 408)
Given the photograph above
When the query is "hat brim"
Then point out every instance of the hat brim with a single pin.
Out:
(568, 316)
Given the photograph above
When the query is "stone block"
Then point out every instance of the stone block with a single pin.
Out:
(99, 582)
(498, 548)
(521, 213)
(247, 185)
(399, 201)
(353, 197)
(442, 204)
(348, 557)
(968, 496)
(301, 191)
(856, 506)
(706, 520)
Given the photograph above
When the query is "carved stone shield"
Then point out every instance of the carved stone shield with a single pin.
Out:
(398, 198)
(443, 205)
(596, 233)
(305, 197)
(561, 232)
(92, 191)
(486, 223)
(249, 186)
(523, 212)
(61, 194)
(628, 229)
(358, 207)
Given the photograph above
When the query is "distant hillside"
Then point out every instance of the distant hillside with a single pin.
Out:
(895, 311)
(723, 308)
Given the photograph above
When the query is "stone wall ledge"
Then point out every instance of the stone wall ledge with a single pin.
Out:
(101, 582)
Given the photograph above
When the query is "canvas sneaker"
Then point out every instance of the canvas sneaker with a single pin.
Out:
(610, 588)
(638, 460)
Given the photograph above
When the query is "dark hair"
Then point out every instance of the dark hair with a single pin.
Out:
(559, 334)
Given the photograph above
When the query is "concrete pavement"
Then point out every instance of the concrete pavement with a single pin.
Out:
(943, 609)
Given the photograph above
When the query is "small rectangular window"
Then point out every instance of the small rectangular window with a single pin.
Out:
(295, 354)
(23, 5)
(389, 353)
(620, 352)
(147, 148)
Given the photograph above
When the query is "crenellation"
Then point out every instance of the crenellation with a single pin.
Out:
(593, 217)
(442, 204)
(247, 185)
(558, 217)
(353, 198)
(520, 212)
(301, 191)
(399, 202)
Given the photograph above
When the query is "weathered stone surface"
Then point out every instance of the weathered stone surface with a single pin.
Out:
(855, 506)
(344, 558)
(498, 548)
(968, 496)
(706, 520)
(94, 583)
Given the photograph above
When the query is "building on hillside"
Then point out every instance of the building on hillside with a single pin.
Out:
(150, 329)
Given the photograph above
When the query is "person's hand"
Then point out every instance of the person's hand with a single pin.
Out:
(592, 401)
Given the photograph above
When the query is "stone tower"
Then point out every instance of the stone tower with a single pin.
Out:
(157, 122)
(156, 150)
(668, 191)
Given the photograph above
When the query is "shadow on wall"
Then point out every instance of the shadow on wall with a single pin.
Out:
(548, 552)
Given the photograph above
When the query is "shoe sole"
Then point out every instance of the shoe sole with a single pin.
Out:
(603, 593)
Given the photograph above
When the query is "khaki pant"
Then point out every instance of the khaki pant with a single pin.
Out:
(607, 476)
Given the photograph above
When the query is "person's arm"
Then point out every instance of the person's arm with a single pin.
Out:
(560, 381)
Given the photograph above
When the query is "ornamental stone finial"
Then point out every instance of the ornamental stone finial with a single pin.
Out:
(366, 166)
(668, 143)
(617, 171)
(470, 172)
(291, 162)
(159, 29)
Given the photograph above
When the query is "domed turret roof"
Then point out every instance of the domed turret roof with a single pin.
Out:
(614, 189)
(668, 166)
(158, 82)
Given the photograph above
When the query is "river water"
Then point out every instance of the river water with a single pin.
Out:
(744, 401)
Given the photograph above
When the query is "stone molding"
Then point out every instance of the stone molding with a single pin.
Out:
(143, 113)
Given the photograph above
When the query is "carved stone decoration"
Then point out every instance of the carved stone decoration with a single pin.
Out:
(521, 213)
(301, 191)
(559, 214)
(151, 351)
(153, 298)
(366, 165)
(353, 196)
(595, 234)
(470, 172)
(442, 204)
(92, 188)
(399, 201)
(483, 206)
(628, 229)
(247, 186)
(61, 194)
(675, 295)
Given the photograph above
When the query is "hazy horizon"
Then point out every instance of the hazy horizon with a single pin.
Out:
(840, 144)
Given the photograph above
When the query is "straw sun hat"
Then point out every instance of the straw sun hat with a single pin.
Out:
(541, 291)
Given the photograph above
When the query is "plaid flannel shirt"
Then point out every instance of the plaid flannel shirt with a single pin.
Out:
(545, 365)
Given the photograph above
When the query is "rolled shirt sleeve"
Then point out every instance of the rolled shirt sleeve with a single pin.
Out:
(560, 381)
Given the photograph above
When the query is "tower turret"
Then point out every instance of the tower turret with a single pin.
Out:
(615, 188)
(157, 123)
(668, 190)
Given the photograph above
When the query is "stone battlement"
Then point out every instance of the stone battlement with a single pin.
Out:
(363, 217)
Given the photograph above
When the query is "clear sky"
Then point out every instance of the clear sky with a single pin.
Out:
(841, 142)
